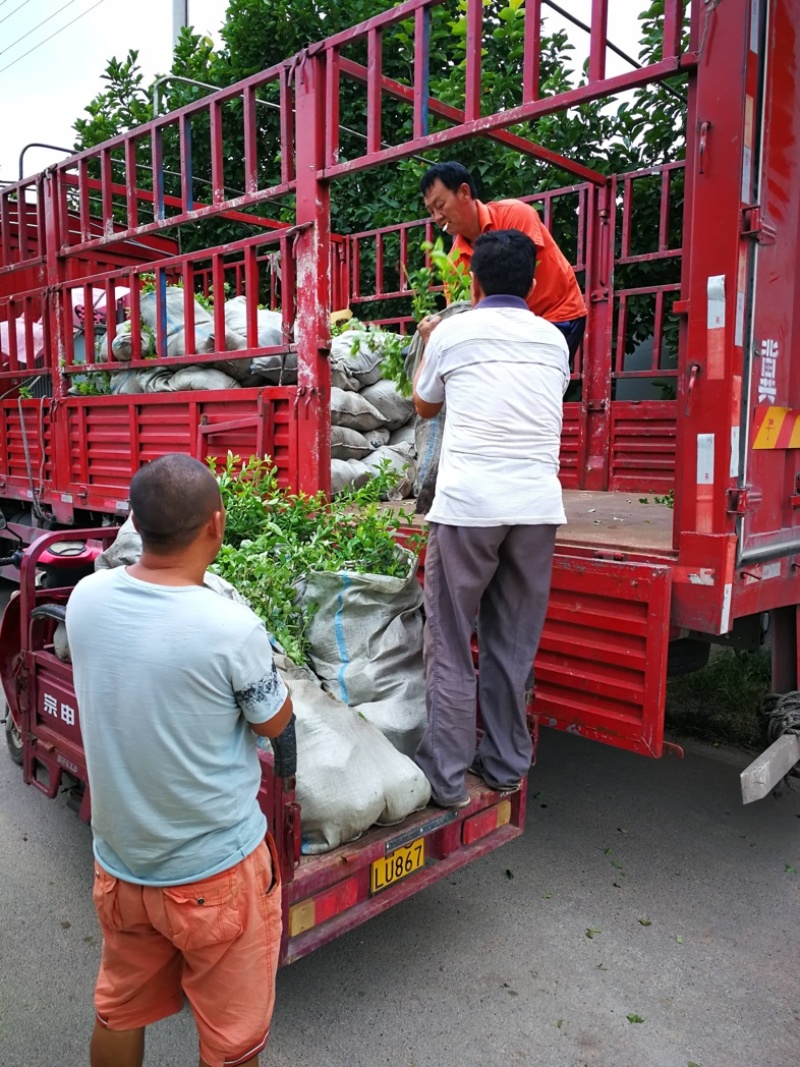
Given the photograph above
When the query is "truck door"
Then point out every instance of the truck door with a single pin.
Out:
(769, 456)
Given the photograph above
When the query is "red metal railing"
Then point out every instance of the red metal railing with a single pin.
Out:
(124, 186)
(468, 119)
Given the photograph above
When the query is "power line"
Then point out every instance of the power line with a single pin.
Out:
(52, 35)
(16, 9)
(35, 28)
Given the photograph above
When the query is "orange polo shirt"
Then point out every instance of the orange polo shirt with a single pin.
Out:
(557, 296)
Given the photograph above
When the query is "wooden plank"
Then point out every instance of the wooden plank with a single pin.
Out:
(765, 772)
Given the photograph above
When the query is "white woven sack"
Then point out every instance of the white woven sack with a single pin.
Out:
(122, 347)
(125, 381)
(377, 438)
(188, 378)
(364, 363)
(428, 432)
(345, 472)
(349, 444)
(351, 409)
(155, 379)
(348, 775)
(277, 369)
(270, 323)
(340, 379)
(395, 408)
(400, 460)
(404, 436)
(365, 638)
(175, 321)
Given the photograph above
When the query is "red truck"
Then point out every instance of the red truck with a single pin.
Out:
(704, 412)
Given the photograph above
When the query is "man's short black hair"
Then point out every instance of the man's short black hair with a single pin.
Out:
(452, 176)
(504, 261)
(171, 499)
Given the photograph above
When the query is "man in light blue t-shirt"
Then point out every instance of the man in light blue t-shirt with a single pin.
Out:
(173, 684)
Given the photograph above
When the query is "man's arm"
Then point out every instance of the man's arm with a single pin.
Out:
(277, 724)
(424, 408)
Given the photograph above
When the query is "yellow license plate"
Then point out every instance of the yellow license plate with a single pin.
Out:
(390, 869)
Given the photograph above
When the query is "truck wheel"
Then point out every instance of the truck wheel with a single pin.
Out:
(13, 739)
(686, 655)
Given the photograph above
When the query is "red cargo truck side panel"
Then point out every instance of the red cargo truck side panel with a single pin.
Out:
(601, 666)
(111, 437)
(770, 526)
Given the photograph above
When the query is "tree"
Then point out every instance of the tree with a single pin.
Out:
(642, 130)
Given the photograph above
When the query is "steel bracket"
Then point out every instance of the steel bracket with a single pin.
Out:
(739, 501)
(754, 224)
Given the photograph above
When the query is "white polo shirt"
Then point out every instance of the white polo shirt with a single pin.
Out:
(503, 372)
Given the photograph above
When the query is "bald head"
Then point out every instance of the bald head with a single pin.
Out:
(171, 499)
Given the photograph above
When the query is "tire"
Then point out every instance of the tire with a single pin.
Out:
(13, 739)
(687, 655)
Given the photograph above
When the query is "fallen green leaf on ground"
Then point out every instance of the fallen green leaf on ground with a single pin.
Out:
(634, 1018)
(645, 922)
(790, 869)
(591, 931)
(559, 1023)
(679, 939)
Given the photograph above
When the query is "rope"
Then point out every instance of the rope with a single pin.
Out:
(37, 510)
(709, 6)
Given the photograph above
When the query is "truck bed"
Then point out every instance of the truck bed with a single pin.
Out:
(617, 520)
(629, 522)
(332, 893)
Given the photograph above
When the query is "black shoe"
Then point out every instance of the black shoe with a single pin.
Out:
(459, 802)
(476, 767)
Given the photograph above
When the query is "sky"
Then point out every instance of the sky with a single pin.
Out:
(46, 84)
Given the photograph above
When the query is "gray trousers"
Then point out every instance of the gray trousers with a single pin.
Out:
(503, 574)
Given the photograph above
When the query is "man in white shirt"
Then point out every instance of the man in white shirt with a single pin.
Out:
(503, 372)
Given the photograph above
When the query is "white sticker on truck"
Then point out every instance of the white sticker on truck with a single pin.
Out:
(767, 388)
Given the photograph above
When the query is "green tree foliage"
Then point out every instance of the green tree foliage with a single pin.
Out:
(644, 129)
(259, 33)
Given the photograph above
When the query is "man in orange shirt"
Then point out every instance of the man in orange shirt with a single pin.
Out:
(451, 198)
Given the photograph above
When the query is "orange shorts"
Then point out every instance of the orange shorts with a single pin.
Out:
(217, 941)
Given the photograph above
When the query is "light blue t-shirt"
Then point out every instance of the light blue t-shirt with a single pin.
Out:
(167, 679)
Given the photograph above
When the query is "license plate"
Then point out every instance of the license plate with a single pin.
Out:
(390, 869)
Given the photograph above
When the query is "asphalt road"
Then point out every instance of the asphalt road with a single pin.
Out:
(691, 900)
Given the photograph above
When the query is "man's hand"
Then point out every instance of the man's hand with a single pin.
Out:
(426, 326)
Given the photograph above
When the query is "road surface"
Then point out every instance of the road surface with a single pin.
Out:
(645, 919)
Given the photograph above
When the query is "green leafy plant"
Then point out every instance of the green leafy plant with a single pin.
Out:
(274, 539)
(96, 384)
(25, 392)
(453, 274)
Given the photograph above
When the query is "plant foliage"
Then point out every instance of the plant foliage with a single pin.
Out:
(274, 538)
